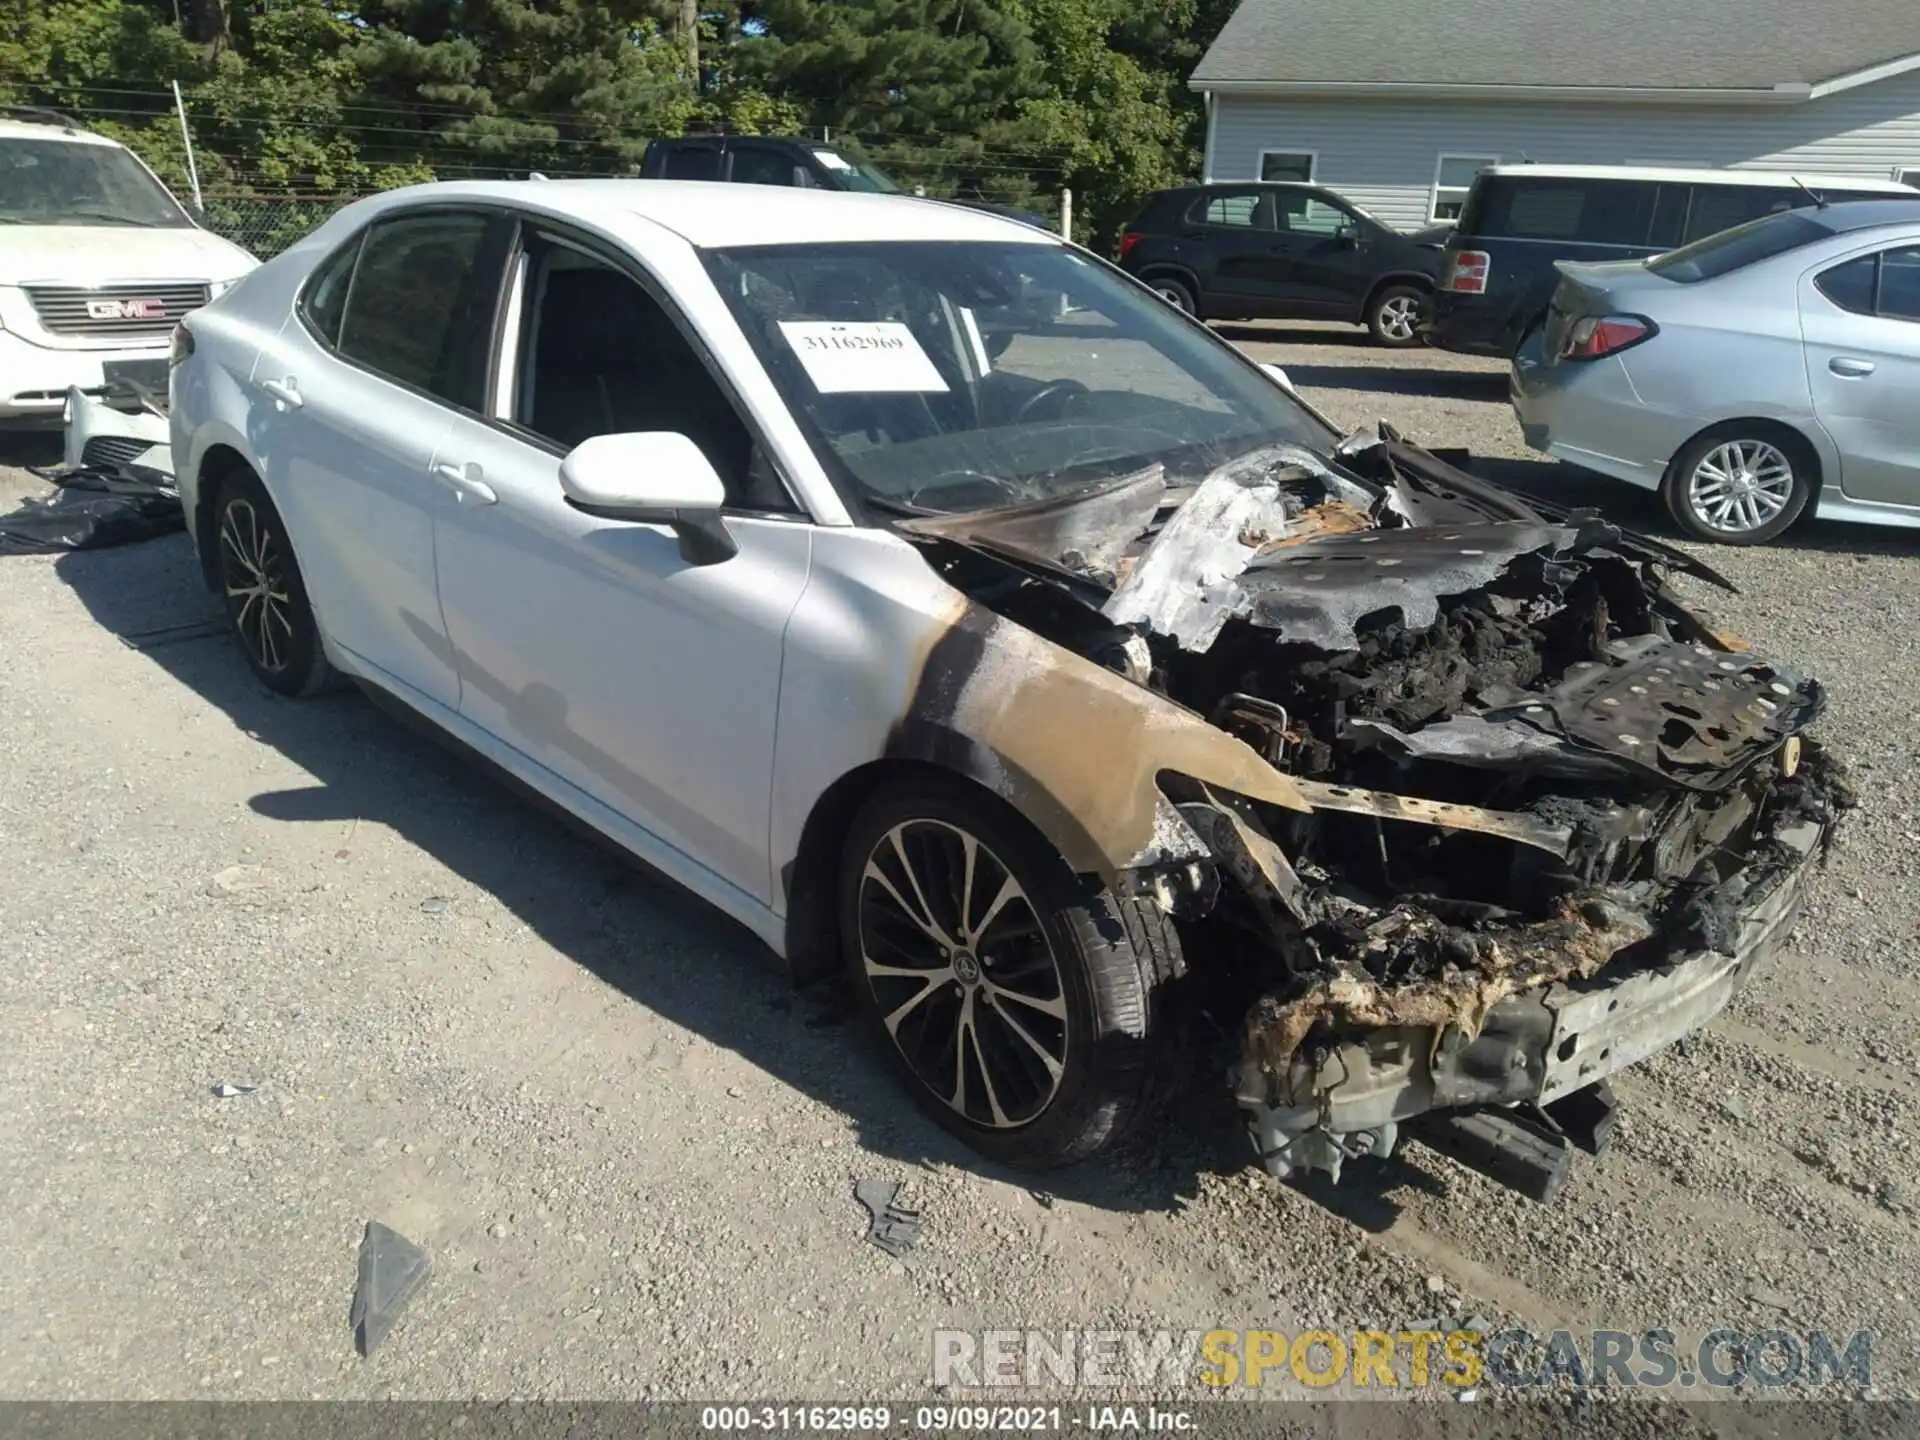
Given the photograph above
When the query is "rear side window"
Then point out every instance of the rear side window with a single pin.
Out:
(324, 300)
(1236, 211)
(692, 162)
(1900, 283)
(1721, 207)
(1886, 284)
(1851, 286)
(1738, 248)
(1576, 211)
(421, 303)
(1670, 217)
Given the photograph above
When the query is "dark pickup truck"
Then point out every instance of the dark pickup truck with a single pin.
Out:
(782, 160)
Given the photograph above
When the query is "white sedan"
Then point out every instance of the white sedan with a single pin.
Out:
(934, 600)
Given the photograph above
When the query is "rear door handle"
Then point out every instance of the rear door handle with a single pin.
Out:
(285, 393)
(1850, 367)
(465, 483)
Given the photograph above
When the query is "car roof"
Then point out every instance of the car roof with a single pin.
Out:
(38, 130)
(743, 140)
(712, 215)
(1679, 175)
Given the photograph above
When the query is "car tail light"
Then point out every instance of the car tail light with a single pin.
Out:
(1467, 272)
(181, 347)
(1593, 336)
(1128, 241)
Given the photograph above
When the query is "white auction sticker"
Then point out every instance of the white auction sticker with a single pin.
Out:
(863, 357)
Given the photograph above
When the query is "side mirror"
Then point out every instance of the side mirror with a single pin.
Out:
(1279, 377)
(658, 477)
(1348, 235)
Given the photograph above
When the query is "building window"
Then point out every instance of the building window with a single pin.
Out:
(1452, 179)
(1286, 164)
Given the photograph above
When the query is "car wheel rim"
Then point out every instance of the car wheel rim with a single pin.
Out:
(253, 570)
(1172, 295)
(1740, 486)
(1398, 317)
(963, 974)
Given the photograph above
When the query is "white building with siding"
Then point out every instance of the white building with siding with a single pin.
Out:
(1397, 105)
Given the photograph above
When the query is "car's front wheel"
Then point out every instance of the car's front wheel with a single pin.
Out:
(1013, 996)
(1739, 487)
(266, 598)
(1395, 314)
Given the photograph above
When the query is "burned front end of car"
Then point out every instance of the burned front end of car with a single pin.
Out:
(1543, 819)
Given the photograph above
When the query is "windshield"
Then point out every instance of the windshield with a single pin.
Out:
(1735, 249)
(855, 174)
(945, 376)
(65, 182)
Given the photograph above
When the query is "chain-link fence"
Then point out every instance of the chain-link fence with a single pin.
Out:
(267, 224)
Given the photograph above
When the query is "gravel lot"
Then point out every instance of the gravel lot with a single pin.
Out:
(628, 1145)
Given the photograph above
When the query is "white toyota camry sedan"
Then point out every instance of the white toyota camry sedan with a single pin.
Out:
(936, 601)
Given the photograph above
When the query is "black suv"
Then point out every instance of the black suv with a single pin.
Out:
(781, 160)
(1284, 252)
(1519, 220)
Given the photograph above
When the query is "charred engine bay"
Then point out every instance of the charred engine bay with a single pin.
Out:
(1525, 759)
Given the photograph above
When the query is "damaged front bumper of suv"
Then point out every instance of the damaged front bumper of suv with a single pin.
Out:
(1541, 820)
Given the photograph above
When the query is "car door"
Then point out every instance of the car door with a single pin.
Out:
(356, 393)
(1322, 260)
(1234, 228)
(1860, 321)
(592, 647)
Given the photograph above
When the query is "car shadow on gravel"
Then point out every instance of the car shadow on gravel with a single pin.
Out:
(1252, 333)
(31, 447)
(623, 922)
(1387, 379)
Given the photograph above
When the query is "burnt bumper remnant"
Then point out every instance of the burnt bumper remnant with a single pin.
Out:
(1539, 819)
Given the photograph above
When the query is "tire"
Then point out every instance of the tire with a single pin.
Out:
(1394, 315)
(1044, 1079)
(1176, 293)
(1739, 485)
(265, 597)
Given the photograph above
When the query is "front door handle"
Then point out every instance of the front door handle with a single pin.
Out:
(1850, 367)
(285, 393)
(465, 483)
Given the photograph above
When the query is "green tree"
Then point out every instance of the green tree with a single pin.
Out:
(1009, 99)
(563, 86)
(931, 89)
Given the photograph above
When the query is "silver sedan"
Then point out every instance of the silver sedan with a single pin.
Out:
(1761, 374)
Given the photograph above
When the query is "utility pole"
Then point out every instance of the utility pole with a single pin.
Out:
(186, 139)
(690, 37)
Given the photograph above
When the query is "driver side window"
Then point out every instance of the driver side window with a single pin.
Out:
(600, 356)
(1305, 214)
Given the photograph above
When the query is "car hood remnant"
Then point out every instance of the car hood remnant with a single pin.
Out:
(1501, 769)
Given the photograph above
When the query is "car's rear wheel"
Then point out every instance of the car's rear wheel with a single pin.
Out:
(1176, 293)
(1739, 487)
(1013, 996)
(1394, 316)
(266, 599)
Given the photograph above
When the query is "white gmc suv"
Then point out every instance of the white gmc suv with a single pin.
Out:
(97, 264)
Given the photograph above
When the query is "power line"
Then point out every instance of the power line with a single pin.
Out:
(415, 111)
